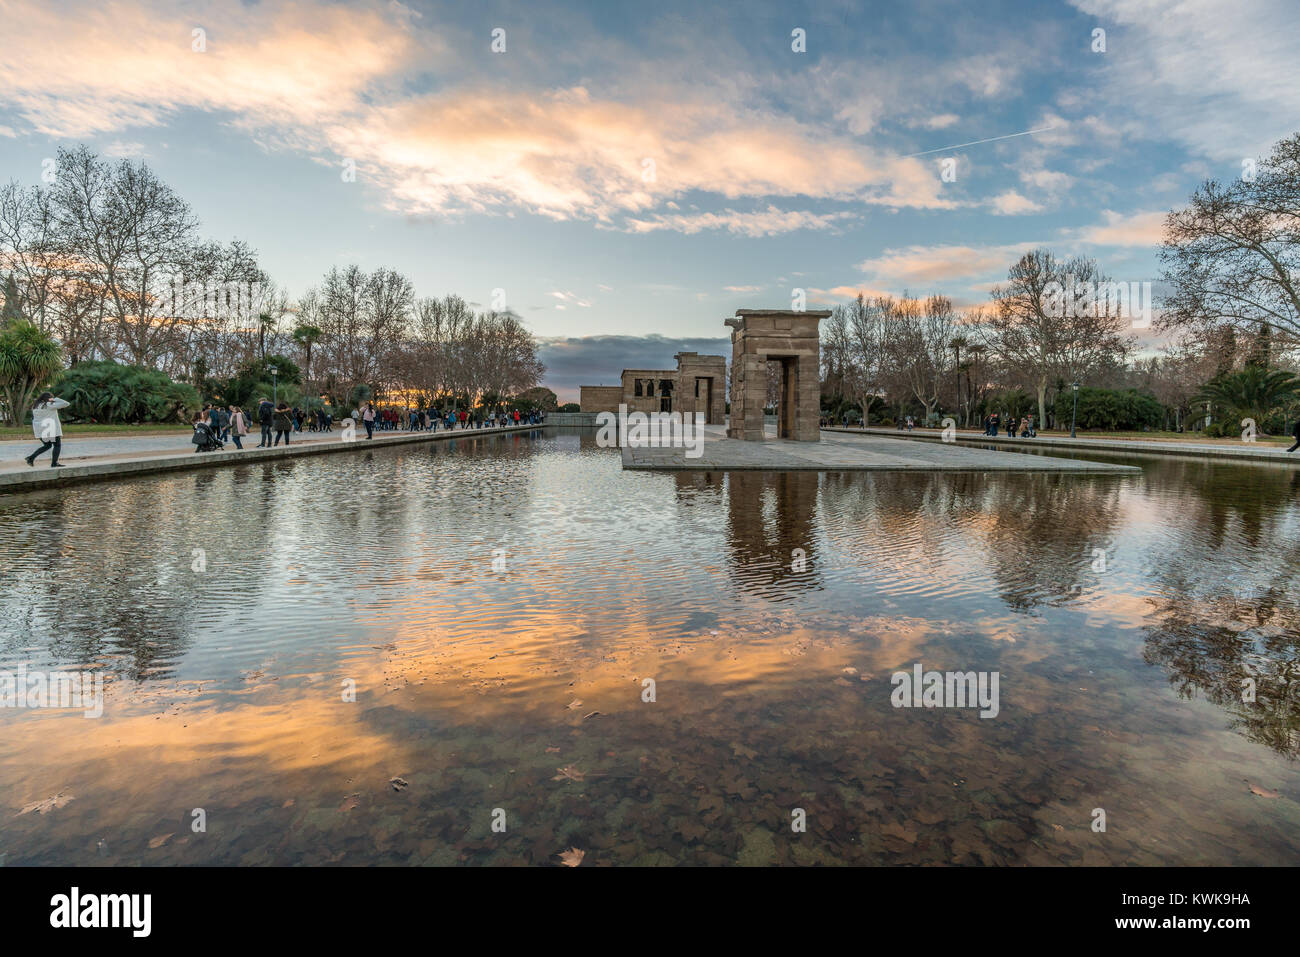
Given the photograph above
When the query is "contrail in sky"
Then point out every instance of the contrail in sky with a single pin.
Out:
(941, 149)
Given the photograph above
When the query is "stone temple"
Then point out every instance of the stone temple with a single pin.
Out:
(698, 384)
(789, 338)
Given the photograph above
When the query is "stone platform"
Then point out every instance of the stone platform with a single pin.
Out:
(844, 452)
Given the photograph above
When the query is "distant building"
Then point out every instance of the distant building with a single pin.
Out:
(698, 384)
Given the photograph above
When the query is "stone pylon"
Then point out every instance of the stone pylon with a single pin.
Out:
(793, 339)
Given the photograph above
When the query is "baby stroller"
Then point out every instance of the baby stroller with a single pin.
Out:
(205, 439)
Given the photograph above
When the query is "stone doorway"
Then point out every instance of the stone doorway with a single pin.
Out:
(791, 338)
(704, 398)
(787, 392)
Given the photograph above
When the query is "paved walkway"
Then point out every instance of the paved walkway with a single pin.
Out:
(859, 452)
(1247, 451)
(141, 455)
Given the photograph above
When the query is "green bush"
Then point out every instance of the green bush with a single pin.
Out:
(1110, 409)
(109, 392)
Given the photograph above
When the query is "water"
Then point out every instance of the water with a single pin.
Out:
(520, 687)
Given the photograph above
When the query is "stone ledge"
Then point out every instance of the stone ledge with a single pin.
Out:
(46, 477)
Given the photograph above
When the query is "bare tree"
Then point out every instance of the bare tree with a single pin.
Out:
(1044, 332)
(138, 238)
(1233, 254)
(919, 336)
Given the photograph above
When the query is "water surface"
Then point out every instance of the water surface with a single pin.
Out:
(498, 602)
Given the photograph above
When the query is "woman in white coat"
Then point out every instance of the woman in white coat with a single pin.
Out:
(46, 426)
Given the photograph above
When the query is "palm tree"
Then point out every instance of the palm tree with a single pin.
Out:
(265, 323)
(1252, 392)
(306, 336)
(28, 357)
(976, 351)
(958, 344)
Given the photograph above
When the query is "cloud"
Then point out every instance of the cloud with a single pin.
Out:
(921, 266)
(1216, 75)
(104, 68)
(768, 222)
(352, 81)
(940, 122)
(574, 361)
(1012, 203)
(570, 298)
(1125, 229)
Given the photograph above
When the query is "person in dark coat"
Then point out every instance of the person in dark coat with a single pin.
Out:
(265, 413)
(1295, 433)
(283, 420)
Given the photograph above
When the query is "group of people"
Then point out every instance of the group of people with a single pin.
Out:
(1024, 426)
(429, 420)
(215, 425)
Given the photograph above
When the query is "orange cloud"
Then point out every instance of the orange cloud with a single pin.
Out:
(1120, 229)
(333, 81)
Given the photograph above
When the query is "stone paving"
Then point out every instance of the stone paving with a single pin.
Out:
(852, 452)
(167, 453)
(1247, 451)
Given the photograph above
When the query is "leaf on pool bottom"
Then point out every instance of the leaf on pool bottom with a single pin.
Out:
(1264, 792)
(160, 840)
(572, 857)
(398, 784)
(49, 804)
(575, 703)
(569, 773)
(350, 802)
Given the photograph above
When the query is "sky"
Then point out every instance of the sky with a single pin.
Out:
(626, 175)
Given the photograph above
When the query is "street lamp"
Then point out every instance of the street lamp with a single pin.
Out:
(1075, 414)
(275, 384)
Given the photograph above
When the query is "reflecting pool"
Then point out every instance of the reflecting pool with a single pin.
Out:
(371, 658)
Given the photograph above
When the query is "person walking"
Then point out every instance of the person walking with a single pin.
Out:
(283, 423)
(1295, 433)
(265, 413)
(368, 417)
(238, 426)
(47, 427)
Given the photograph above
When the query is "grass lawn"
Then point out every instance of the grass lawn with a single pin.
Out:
(105, 429)
(1284, 440)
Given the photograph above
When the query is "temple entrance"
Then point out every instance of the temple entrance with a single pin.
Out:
(784, 342)
(704, 397)
(787, 391)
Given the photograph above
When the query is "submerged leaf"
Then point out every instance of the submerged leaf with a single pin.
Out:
(572, 857)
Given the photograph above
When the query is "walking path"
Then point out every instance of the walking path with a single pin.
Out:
(860, 452)
(1247, 451)
(96, 459)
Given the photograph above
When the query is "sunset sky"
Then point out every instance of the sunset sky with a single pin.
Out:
(630, 174)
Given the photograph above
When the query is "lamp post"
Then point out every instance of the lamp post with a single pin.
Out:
(1075, 414)
(275, 384)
